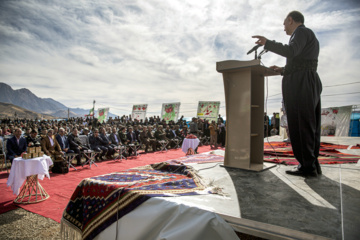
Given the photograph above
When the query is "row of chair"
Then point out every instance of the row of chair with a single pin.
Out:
(91, 154)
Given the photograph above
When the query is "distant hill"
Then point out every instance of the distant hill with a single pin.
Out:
(26, 99)
(9, 110)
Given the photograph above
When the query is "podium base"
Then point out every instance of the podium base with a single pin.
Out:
(254, 167)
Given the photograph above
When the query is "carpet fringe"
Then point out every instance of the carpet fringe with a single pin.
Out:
(68, 231)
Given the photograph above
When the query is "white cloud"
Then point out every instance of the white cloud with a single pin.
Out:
(125, 52)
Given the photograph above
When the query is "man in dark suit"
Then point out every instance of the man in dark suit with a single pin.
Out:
(137, 132)
(16, 145)
(76, 145)
(160, 135)
(97, 144)
(151, 138)
(178, 132)
(114, 138)
(131, 136)
(170, 135)
(132, 139)
(63, 141)
(115, 141)
(301, 88)
(33, 139)
(107, 143)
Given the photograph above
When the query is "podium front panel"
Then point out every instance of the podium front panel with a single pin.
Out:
(238, 126)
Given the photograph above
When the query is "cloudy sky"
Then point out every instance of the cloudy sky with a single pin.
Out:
(129, 52)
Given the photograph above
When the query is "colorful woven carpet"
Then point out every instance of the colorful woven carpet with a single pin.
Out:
(99, 201)
(197, 158)
(280, 152)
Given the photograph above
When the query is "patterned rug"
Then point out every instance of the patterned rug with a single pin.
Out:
(280, 152)
(197, 158)
(99, 201)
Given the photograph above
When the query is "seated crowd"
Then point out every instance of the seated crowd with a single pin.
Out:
(58, 138)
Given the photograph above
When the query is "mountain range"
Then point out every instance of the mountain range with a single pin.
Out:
(24, 98)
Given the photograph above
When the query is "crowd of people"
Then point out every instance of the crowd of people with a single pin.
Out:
(271, 125)
(60, 137)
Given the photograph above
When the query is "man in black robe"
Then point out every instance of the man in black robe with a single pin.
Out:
(301, 87)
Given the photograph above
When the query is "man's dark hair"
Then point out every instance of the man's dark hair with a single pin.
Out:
(297, 16)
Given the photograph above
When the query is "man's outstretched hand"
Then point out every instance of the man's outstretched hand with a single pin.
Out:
(261, 40)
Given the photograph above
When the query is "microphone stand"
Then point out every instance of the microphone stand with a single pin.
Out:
(261, 53)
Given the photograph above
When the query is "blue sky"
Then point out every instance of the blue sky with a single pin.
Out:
(122, 53)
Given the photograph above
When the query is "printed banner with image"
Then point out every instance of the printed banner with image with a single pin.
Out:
(102, 114)
(170, 111)
(335, 121)
(208, 110)
(139, 112)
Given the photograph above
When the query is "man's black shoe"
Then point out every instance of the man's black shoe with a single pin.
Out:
(318, 168)
(297, 172)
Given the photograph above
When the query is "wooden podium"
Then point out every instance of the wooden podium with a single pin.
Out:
(244, 98)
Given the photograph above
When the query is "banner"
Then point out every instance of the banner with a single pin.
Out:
(335, 121)
(170, 111)
(102, 114)
(139, 112)
(208, 110)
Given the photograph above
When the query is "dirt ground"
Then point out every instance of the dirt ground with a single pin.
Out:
(21, 224)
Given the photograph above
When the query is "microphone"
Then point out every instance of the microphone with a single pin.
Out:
(253, 49)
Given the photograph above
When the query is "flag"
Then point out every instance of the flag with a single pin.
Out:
(91, 113)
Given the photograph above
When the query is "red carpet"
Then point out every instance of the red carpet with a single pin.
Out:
(280, 152)
(61, 186)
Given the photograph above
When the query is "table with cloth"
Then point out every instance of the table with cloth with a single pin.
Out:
(100, 204)
(30, 170)
(190, 143)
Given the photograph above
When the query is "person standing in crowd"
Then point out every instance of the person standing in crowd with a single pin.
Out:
(193, 126)
(213, 134)
(301, 88)
(222, 133)
(266, 125)
(1, 142)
